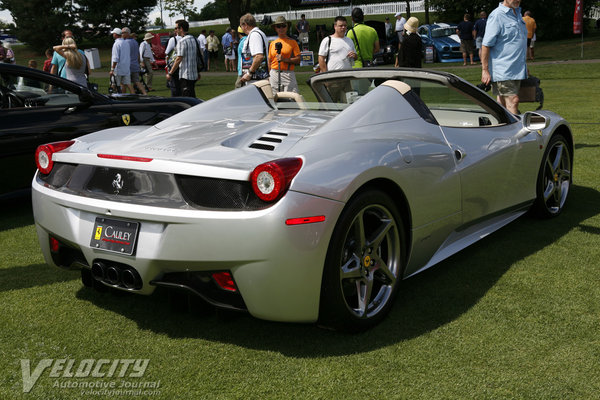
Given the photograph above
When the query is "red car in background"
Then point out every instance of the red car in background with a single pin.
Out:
(159, 44)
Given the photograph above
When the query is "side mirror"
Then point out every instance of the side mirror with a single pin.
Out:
(532, 122)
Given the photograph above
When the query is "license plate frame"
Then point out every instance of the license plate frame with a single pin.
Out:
(115, 235)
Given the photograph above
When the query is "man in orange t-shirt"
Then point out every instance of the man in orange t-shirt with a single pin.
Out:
(282, 62)
(531, 27)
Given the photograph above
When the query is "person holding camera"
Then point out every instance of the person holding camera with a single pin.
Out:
(254, 51)
(365, 39)
(284, 55)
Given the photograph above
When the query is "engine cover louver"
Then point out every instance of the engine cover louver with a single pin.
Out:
(268, 141)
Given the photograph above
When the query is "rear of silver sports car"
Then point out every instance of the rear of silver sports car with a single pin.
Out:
(135, 228)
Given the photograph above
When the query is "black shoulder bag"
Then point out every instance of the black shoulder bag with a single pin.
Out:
(365, 64)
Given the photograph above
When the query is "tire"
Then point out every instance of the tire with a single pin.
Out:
(364, 264)
(554, 178)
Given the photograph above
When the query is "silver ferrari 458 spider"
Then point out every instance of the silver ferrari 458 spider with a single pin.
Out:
(294, 210)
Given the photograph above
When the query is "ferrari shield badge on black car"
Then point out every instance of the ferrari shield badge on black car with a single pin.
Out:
(126, 119)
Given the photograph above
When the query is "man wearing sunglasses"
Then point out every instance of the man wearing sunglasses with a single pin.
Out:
(284, 55)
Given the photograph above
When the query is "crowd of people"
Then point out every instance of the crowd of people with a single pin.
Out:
(504, 41)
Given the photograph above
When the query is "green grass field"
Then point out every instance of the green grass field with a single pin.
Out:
(515, 316)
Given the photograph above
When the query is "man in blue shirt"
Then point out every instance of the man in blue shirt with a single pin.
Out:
(227, 42)
(504, 47)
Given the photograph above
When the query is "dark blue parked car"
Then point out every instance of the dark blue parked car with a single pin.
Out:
(444, 40)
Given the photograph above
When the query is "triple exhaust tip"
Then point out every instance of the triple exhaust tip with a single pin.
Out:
(113, 275)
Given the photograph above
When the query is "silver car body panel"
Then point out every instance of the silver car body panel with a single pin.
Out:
(458, 184)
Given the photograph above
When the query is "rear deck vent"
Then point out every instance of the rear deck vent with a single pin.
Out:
(264, 142)
(261, 146)
(269, 139)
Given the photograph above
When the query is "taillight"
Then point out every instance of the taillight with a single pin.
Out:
(43, 155)
(270, 180)
(225, 280)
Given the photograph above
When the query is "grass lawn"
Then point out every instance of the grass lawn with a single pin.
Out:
(516, 315)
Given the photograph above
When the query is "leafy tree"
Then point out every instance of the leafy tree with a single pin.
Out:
(237, 8)
(101, 15)
(5, 26)
(554, 18)
(212, 10)
(40, 22)
(180, 7)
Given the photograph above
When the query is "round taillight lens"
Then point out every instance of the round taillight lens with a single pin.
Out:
(271, 180)
(43, 155)
(43, 159)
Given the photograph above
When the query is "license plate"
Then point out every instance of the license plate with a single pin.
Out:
(115, 235)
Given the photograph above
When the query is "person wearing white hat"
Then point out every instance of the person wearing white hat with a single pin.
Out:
(120, 62)
(147, 57)
(400, 21)
(410, 54)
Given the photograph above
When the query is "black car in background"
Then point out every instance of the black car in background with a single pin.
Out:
(387, 48)
(38, 108)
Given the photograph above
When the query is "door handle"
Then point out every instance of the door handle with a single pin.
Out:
(70, 110)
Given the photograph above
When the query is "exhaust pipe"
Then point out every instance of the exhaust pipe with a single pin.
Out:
(131, 279)
(113, 276)
(98, 271)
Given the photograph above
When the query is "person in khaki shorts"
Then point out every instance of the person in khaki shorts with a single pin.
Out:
(464, 30)
(503, 53)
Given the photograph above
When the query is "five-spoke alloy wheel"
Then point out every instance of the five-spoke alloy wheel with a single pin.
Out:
(364, 263)
(554, 178)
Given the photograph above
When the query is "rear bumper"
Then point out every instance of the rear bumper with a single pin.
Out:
(277, 268)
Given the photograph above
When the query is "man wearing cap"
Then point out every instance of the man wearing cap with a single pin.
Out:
(254, 51)
(400, 21)
(134, 59)
(240, 57)
(147, 57)
(365, 39)
(283, 61)
(120, 62)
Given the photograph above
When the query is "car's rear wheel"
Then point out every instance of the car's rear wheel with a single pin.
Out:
(364, 263)
(554, 178)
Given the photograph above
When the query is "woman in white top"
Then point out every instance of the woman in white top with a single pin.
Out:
(75, 64)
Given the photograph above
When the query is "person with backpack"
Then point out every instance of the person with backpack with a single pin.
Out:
(255, 51)
(337, 51)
